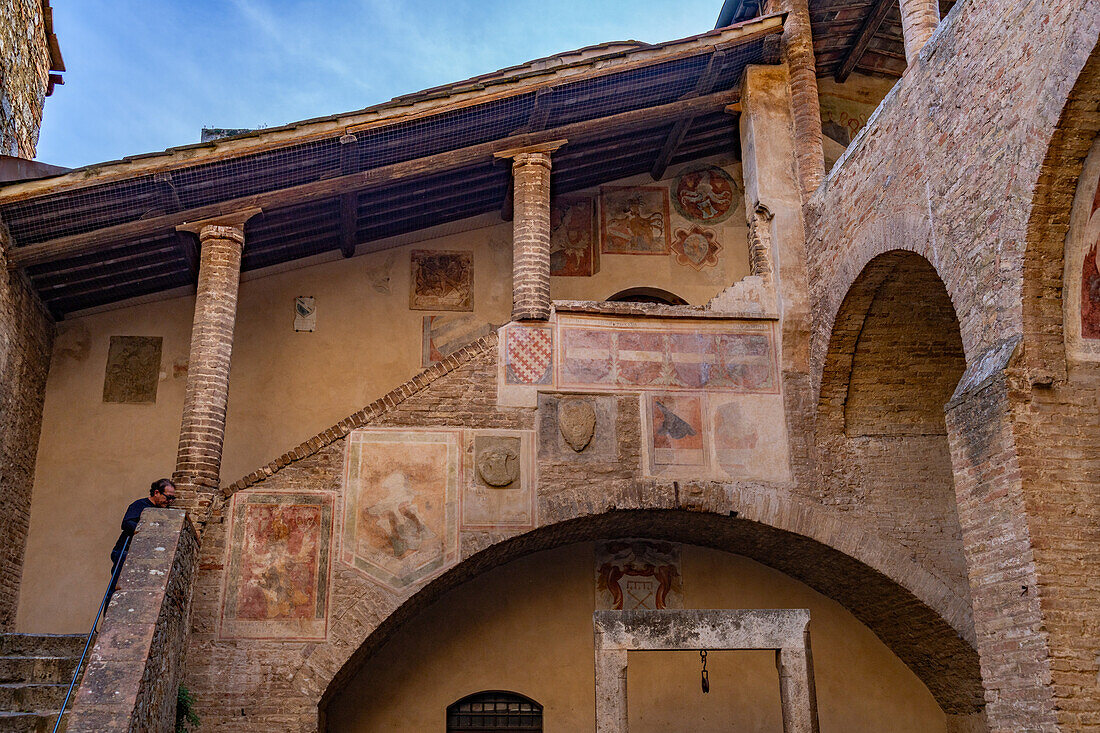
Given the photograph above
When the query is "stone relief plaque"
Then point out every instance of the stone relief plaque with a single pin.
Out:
(577, 422)
(442, 281)
(278, 566)
(499, 493)
(133, 369)
(634, 574)
(634, 220)
(578, 429)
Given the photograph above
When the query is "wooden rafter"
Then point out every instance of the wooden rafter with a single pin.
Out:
(70, 246)
(863, 39)
(703, 85)
(349, 202)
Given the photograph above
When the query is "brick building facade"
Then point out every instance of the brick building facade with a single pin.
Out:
(609, 302)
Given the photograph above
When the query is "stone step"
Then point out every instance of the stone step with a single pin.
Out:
(47, 670)
(24, 698)
(41, 645)
(40, 722)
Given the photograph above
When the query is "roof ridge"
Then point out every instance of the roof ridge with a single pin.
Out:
(368, 414)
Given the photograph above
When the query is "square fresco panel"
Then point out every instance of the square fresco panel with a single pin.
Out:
(675, 430)
(573, 250)
(400, 501)
(636, 574)
(499, 491)
(634, 220)
(278, 567)
(441, 281)
(133, 369)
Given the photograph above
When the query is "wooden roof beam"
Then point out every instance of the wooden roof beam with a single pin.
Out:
(349, 202)
(863, 39)
(703, 85)
(77, 244)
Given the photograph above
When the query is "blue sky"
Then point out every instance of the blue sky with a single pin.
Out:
(145, 75)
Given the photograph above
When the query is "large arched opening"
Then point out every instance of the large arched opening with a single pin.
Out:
(453, 636)
(894, 359)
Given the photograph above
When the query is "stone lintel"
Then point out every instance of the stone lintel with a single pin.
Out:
(701, 629)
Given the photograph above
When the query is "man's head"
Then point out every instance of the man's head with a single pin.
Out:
(162, 493)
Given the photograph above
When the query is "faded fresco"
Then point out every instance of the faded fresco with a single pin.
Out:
(634, 220)
(596, 354)
(400, 495)
(706, 194)
(441, 281)
(1081, 294)
(528, 354)
(499, 490)
(696, 247)
(675, 430)
(573, 250)
(750, 436)
(133, 369)
(634, 574)
(278, 568)
(447, 333)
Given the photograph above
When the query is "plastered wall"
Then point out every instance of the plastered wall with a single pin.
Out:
(96, 457)
(534, 637)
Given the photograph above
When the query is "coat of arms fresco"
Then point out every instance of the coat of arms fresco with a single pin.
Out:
(636, 574)
(400, 496)
(706, 194)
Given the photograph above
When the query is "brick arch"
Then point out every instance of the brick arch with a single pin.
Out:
(894, 358)
(1048, 224)
(914, 613)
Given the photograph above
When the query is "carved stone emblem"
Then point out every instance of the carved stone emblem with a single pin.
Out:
(498, 463)
(577, 422)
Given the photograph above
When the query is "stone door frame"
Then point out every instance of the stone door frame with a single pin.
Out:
(787, 631)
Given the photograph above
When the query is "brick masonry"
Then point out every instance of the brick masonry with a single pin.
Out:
(133, 672)
(26, 340)
(24, 75)
(531, 237)
(279, 684)
(198, 460)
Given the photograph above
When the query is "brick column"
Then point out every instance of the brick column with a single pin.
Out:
(199, 457)
(1013, 646)
(919, 19)
(531, 237)
(798, 53)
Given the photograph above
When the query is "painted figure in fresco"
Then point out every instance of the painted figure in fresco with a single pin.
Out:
(571, 239)
(443, 276)
(279, 576)
(1090, 280)
(394, 522)
(633, 230)
(706, 195)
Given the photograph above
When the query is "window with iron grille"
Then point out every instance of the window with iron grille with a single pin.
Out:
(495, 712)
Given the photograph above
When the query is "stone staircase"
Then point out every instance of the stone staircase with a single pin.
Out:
(35, 671)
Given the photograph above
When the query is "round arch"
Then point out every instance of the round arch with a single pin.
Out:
(920, 636)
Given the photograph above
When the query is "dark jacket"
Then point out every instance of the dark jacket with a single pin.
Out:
(129, 524)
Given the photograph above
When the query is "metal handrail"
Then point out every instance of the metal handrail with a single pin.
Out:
(95, 623)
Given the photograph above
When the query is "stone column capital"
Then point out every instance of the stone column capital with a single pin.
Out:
(531, 154)
(525, 159)
(224, 226)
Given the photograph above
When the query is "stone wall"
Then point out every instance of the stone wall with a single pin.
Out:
(132, 675)
(24, 75)
(26, 335)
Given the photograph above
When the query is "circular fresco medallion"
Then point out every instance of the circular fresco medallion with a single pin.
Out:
(706, 194)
